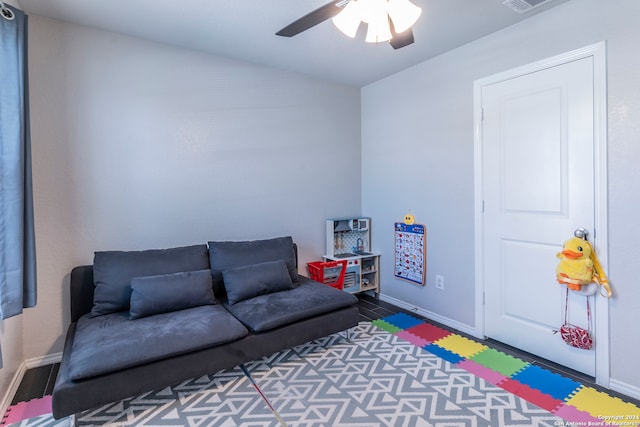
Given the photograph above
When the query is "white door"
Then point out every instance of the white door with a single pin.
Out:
(537, 188)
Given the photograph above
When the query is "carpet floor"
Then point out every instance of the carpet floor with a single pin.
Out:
(396, 371)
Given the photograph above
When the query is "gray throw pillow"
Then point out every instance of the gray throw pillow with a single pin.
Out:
(170, 292)
(227, 255)
(113, 271)
(254, 280)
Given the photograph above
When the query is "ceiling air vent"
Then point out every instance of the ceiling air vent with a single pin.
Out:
(523, 6)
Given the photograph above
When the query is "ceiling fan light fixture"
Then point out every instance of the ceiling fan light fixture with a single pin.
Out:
(348, 20)
(378, 32)
(404, 14)
(376, 16)
(379, 15)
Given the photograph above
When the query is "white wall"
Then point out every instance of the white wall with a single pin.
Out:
(417, 153)
(138, 145)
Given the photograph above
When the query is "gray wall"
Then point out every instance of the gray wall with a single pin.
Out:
(417, 153)
(138, 145)
(11, 339)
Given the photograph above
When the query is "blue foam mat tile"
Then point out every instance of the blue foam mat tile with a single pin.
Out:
(547, 382)
(402, 320)
(443, 353)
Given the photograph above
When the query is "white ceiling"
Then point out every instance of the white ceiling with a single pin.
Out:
(245, 30)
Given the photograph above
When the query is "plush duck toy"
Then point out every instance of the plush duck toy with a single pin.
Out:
(575, 268)
(579, 266)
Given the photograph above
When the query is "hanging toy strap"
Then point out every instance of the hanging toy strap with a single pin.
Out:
(599, 275)
(573, 335)
(588, 315)
(566, 307)
(566, 311)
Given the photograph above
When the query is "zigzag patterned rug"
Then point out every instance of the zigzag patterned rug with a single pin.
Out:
(382, 376)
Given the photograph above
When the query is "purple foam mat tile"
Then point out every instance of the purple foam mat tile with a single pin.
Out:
(413, 339)
(29, 409)
(485, 373)
(574, 415)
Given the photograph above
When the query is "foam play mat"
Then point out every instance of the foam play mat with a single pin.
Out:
(568, 399)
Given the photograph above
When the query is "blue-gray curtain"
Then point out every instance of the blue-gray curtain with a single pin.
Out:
(17, 240)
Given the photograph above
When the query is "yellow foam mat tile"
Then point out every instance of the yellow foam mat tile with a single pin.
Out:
(461, 345)
(611, 410)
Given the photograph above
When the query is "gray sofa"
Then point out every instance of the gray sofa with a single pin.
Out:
(144, 320)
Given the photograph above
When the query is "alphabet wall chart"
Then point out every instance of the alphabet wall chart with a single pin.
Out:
(410, 252)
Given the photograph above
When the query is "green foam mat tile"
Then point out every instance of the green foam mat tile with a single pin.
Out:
(500, 362)
(392, 329)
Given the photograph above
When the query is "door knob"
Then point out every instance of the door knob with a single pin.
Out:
(582, 233)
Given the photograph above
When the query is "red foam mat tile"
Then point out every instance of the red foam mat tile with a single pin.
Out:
(534, 396)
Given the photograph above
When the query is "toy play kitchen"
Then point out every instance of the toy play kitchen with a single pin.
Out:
(350, 239)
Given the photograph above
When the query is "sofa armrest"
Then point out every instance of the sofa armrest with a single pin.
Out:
(81, 291)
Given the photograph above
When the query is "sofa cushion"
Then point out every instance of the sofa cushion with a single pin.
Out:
(113, 271)
(113, 342)
(227, 255)
(254, 280)
(170, 292)
(306, 299)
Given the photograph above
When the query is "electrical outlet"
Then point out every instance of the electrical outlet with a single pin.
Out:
(439, 281)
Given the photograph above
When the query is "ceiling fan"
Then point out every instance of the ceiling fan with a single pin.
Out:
(349, 9)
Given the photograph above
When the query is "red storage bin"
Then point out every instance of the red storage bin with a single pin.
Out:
(328, 272)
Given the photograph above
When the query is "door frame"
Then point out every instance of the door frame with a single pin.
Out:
(600, 236)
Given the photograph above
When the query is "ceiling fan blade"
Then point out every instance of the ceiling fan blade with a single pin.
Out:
(312, 19)
(401, 39)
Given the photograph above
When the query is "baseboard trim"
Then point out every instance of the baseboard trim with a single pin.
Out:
(454, 324)
(19, 375)
(624, 388)
(13, 388)
(49, 359)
